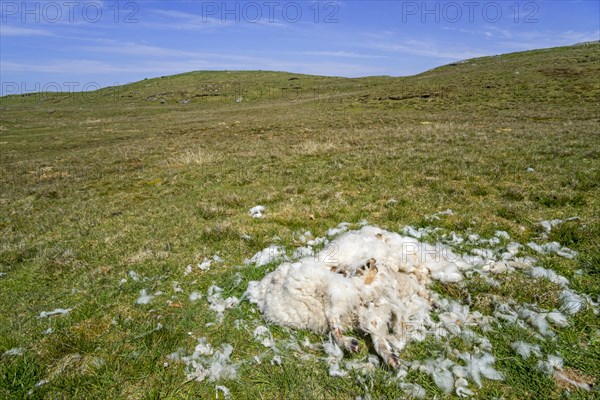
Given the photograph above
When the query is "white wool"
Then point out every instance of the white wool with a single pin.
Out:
(414, 232)
(48, 331)
(266, 256)
(123, 281)
(541, 272)
(205, 265)
(481, 366)
(437, 215)
(195, 296)
(413, 390)
(314, 291)
(144, 298)
(494, 241)
(206, 362)
(333, 350)
(551, 364)
(439, 370)
(2, 274)
(473, 237)
(363, 367)
(263, 335)
(336, 370)
(548, 225)
(15, 351)
(303, 237)
(342, 227)
(329, 292)
(502, 235)
(463, 391)
(276, 360)
(553, 247)
(58, 311)
(177, 288)
(301, 252)
(217, 303)
(537, 320)
(453, 239)
(133, 275)
(257, 211)
(224, 390)
(188, 270)
(557, 318)
(486, 254)
(571, 302)
(526, 349)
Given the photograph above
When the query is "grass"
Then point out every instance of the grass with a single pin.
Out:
(158, 174)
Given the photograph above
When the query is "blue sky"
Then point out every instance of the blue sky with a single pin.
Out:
(74, 45)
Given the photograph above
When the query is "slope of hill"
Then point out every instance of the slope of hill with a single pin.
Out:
(110, 193)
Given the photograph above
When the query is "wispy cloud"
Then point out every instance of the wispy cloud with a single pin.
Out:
(428, 48)
(8, 30)
(340, 53)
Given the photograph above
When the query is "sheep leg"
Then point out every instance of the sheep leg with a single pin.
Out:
(346, 342)
(384, 349)
(377, 323)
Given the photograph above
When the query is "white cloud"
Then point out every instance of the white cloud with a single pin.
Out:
(340, 53)
(7, 30)
(429, 48)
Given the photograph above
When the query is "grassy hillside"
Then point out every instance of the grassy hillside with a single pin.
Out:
(159, 174)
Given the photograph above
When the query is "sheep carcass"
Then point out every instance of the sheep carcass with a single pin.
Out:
(375, 281)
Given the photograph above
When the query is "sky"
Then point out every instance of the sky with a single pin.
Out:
(70, 45)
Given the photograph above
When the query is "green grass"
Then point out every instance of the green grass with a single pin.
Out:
(131, 178)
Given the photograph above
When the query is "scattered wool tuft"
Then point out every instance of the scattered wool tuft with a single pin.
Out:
(439, 371)
(341, 228)
(263, 335)
(551, 364)
(195, 296)
(437, 215)
(266, 256)
(144, 298)
(58, 311)
(548, 225)
(224, 390)
(177, 288)
(541, 272)
(413, 390)
(481, 366)
(257, 211)
(571, 302)
(553, 248)
(463, 391)
(207, 363)
(217, 303)
(15, 351)
(557, 318)
(276, 360)
(502, 235)
(205, 265)
(526, 349)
